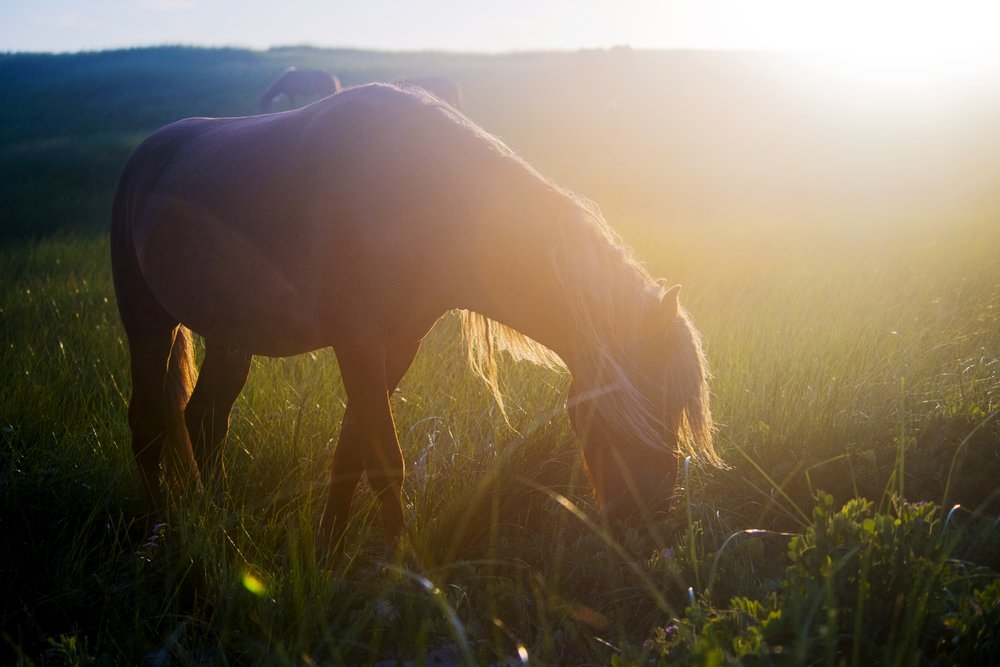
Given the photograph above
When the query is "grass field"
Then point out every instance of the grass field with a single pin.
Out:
(853, 331)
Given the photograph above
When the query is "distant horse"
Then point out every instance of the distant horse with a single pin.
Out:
(439, 86)
(299, 83)
(355, 223)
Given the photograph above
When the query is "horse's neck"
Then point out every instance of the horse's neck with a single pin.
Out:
(518, 285)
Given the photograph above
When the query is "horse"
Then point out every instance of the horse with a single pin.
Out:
(356, 223)
(294, 83)
(439, 86)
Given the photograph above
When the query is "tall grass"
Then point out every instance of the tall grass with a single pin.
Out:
(501, 554)
(856, 360)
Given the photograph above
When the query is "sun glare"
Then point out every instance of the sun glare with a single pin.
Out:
(911, 48)
(888, 47)
(889, 72)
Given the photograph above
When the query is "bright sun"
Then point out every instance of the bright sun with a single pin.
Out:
(901, 47)
(914, 47)
(891, 46)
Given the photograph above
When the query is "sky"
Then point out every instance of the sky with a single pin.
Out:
(899, 29)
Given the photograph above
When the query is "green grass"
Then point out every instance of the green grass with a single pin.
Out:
(860, 359)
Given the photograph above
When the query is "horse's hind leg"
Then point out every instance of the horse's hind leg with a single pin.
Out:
(223, 374)
(149, 352)
(162, 373)
(161, 365)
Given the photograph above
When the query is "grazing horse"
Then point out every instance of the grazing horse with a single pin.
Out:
(355, 223)
(299, 83)
(439, 86)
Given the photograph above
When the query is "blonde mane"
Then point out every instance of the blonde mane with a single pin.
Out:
(608, 293)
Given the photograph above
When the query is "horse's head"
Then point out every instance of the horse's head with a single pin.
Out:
(633, 420)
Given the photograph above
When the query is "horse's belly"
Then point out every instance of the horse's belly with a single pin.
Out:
(233, 291)
(250, 325)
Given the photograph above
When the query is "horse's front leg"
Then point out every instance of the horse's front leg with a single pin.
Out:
(348, 466)
(368, 441)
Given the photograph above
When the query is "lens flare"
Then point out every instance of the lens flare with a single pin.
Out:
(253, 584)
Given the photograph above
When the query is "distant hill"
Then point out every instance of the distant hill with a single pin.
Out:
(680, 137)
(67, 122)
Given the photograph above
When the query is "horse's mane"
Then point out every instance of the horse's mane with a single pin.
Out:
(608, 293)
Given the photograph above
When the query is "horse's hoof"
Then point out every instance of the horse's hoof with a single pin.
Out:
(152, 543)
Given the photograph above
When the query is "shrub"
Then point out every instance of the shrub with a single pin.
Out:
(862, 587)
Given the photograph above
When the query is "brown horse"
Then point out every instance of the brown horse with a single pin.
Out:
(308, 83)
(355, 223)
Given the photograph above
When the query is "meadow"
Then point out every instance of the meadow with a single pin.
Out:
(838, 254)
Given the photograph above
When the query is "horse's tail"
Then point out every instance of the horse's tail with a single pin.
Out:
(178, 384)
(485, 338)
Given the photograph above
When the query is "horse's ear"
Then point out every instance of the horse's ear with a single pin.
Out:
(670, 305)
